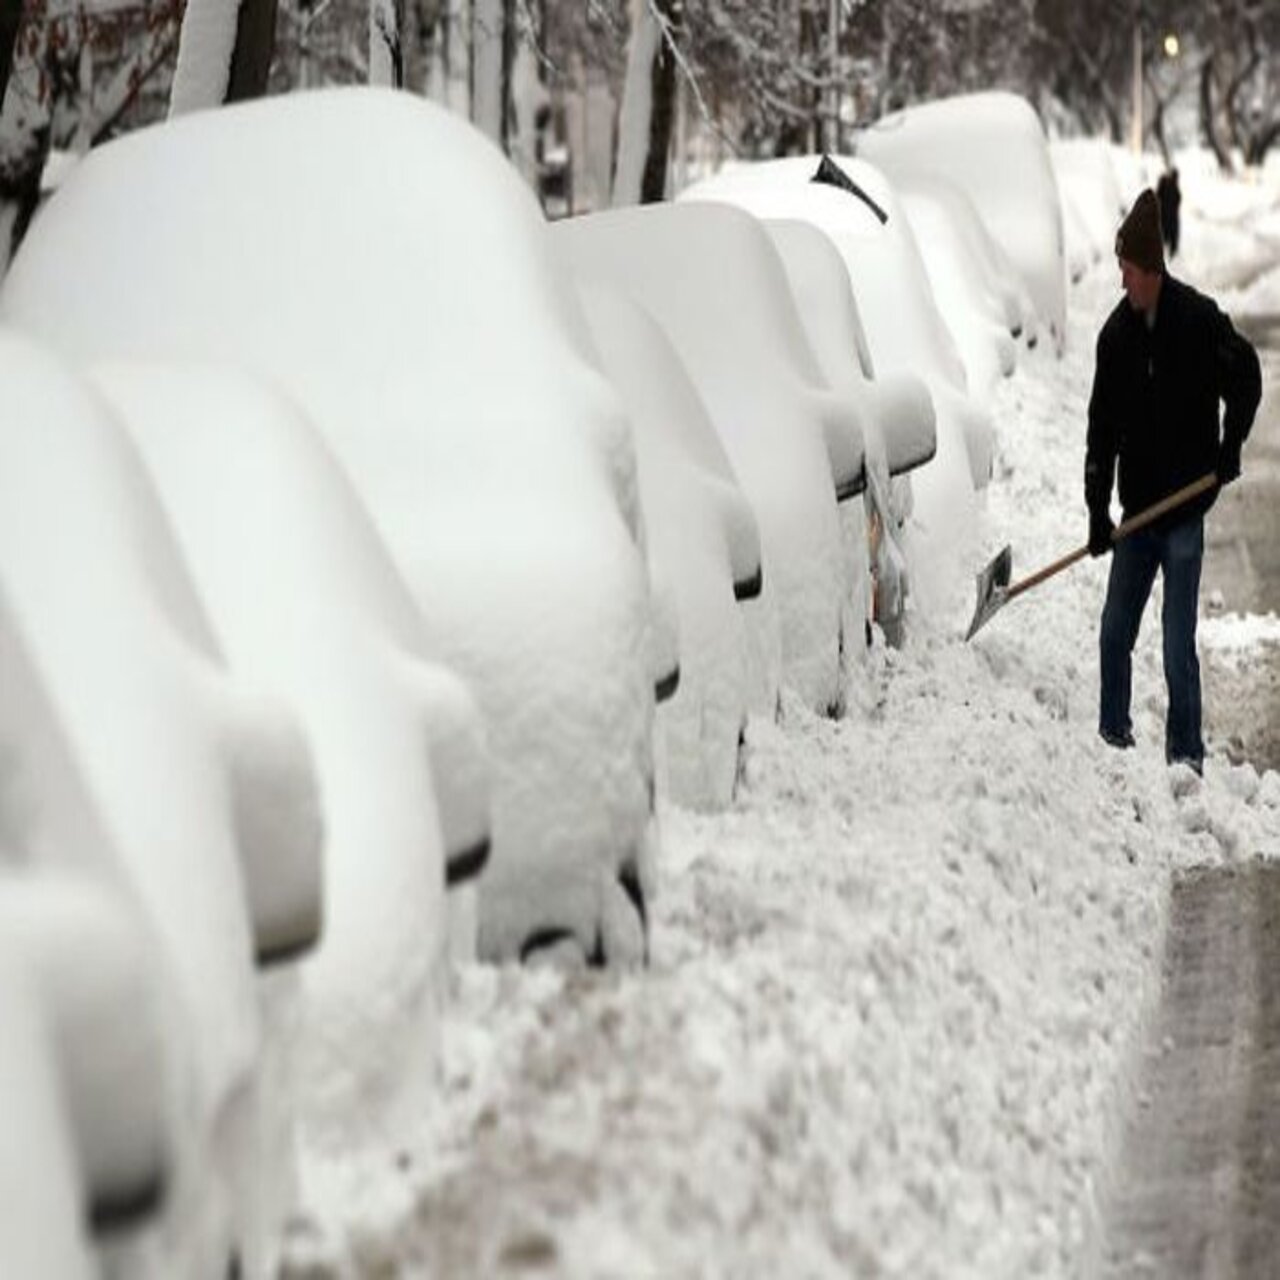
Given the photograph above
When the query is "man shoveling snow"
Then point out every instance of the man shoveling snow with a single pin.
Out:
(1166, 355)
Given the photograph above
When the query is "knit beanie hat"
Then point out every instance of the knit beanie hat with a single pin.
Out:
(1139, 239)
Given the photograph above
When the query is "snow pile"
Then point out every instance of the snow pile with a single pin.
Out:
(1237, 636)
(896, 992)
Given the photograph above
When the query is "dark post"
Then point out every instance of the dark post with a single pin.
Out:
(254, 49)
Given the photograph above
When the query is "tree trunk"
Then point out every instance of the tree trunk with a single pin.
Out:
(646, 118)
(254, 48)
(224, 53)
(1262, 142)
(10, 20)
(386, 47)
(1208, 123)
(493, 48)
(653, 186)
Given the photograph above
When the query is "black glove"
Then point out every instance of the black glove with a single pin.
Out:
(1100, 531)
(1229, 462)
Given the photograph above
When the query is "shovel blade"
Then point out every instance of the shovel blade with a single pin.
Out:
(992, 583)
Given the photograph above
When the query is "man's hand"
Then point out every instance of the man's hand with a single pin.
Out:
(1228, 462)
(1100, 531)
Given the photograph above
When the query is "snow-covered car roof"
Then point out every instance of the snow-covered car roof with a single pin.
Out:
(702, 535)
(712, 279)
(205, 789)
(307, 605)
(376, 258)
(895, 299)
(993, 147)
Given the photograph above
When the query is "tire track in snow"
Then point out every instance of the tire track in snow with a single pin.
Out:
(1197, 1187)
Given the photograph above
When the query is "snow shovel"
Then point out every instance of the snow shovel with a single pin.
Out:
(995, 591)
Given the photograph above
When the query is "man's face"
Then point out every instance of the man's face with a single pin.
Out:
(1140, 287)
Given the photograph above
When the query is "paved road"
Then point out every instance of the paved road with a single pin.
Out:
(1242, 563)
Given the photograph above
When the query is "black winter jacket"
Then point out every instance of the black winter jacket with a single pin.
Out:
(1155, 398)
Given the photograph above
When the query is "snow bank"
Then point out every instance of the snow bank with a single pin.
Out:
(378, 260)
(1238, 636)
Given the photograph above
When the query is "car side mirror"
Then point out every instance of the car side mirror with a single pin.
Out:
(907, 420)
(279, 831)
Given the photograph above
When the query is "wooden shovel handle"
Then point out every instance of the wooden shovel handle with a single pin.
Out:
(1122, 530)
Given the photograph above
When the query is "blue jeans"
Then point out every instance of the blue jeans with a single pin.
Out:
(1177, 553)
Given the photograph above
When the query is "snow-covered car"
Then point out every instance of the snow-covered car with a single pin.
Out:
(95, 971)
(1090, 192)
(374, 257)
(43, 1228)
(306, 604)
(98, 1146)
(712, 279)
(947, 229)
(993, 147)
(904, 328)
(205, 789)
(703, 537)
(1079, 247)
(896, 411)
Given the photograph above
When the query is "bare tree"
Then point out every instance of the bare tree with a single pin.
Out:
(78, 75)
(1243, 36)
(1082, 54)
